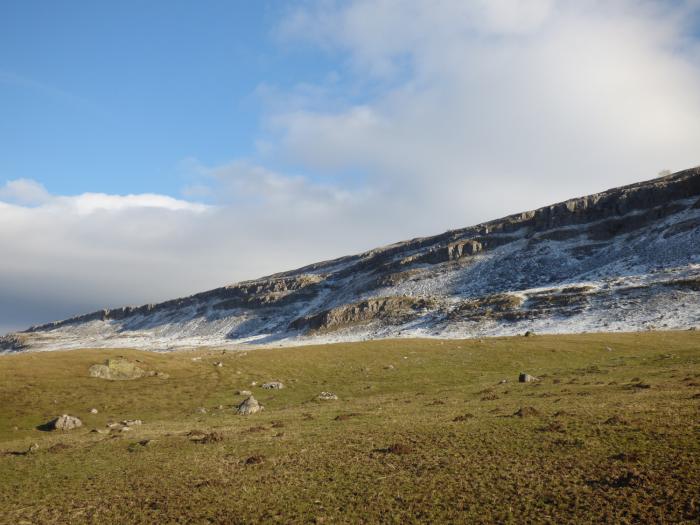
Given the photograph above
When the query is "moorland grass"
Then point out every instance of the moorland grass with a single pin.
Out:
(423, 431)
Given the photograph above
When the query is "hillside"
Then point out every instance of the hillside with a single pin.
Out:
(624, 259)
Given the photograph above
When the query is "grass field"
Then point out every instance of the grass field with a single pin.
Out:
(423, 431)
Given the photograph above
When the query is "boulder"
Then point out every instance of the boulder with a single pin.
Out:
(273, 385)
(65, 422)
(327, 396)
(117, 368)
(249, 406)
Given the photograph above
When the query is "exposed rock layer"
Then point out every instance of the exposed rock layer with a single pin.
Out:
(612, 260)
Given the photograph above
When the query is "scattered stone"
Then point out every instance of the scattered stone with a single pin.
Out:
(125, 429)
(196, 359)
(97, 431)
(502, 381)
(93, 411)
(201, 410)
(389, 367)
(249, 406)
(218, 364)
(527, 412)
(131, 422)
(33, 448)
(327, 396)
(117, 368)
(273, 385)
(244, 393)
(220, 407)
(526, 378)
(65, 422)
(254, 383)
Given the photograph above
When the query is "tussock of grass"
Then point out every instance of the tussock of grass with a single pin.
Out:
(411, 444)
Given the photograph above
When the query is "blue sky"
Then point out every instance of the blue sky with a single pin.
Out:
(112, 96)
(149, 150)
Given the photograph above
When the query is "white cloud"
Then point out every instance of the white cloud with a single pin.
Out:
(498, 106)
(24, 191)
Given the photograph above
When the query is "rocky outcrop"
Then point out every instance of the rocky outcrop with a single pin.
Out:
(117, 368)
(503, 274)
(13, 342)
(497, 306)
(390, 310)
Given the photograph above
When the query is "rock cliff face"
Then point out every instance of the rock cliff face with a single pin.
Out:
(623, 259)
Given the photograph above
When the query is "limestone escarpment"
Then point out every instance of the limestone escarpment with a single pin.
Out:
(624, 259)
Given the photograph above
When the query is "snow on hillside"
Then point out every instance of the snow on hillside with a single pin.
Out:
(622, 260)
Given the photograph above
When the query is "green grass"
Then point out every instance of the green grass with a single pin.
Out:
(564, 464)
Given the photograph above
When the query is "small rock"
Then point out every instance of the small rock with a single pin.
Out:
(131, 422)
(33, 448)
(196, 359)
(529, 333)
(220, 407)
(327, 396)
(244, 393)
(93, 411)
(201, 410)
(65, 422)
(253, 383)
(526, 378)
(273, 385)
(502, 381)
(97, 431)
(389, 367)
(125, 429)
(218, 364)
(249, 406)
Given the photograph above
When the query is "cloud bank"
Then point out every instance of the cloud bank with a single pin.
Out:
(438, 115)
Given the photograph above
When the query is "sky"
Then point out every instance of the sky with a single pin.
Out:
(149, 150)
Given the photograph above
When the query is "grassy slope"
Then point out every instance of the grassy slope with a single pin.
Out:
(563, 465)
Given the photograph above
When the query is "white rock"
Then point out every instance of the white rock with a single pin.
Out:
(66, 422)
(249, 406)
